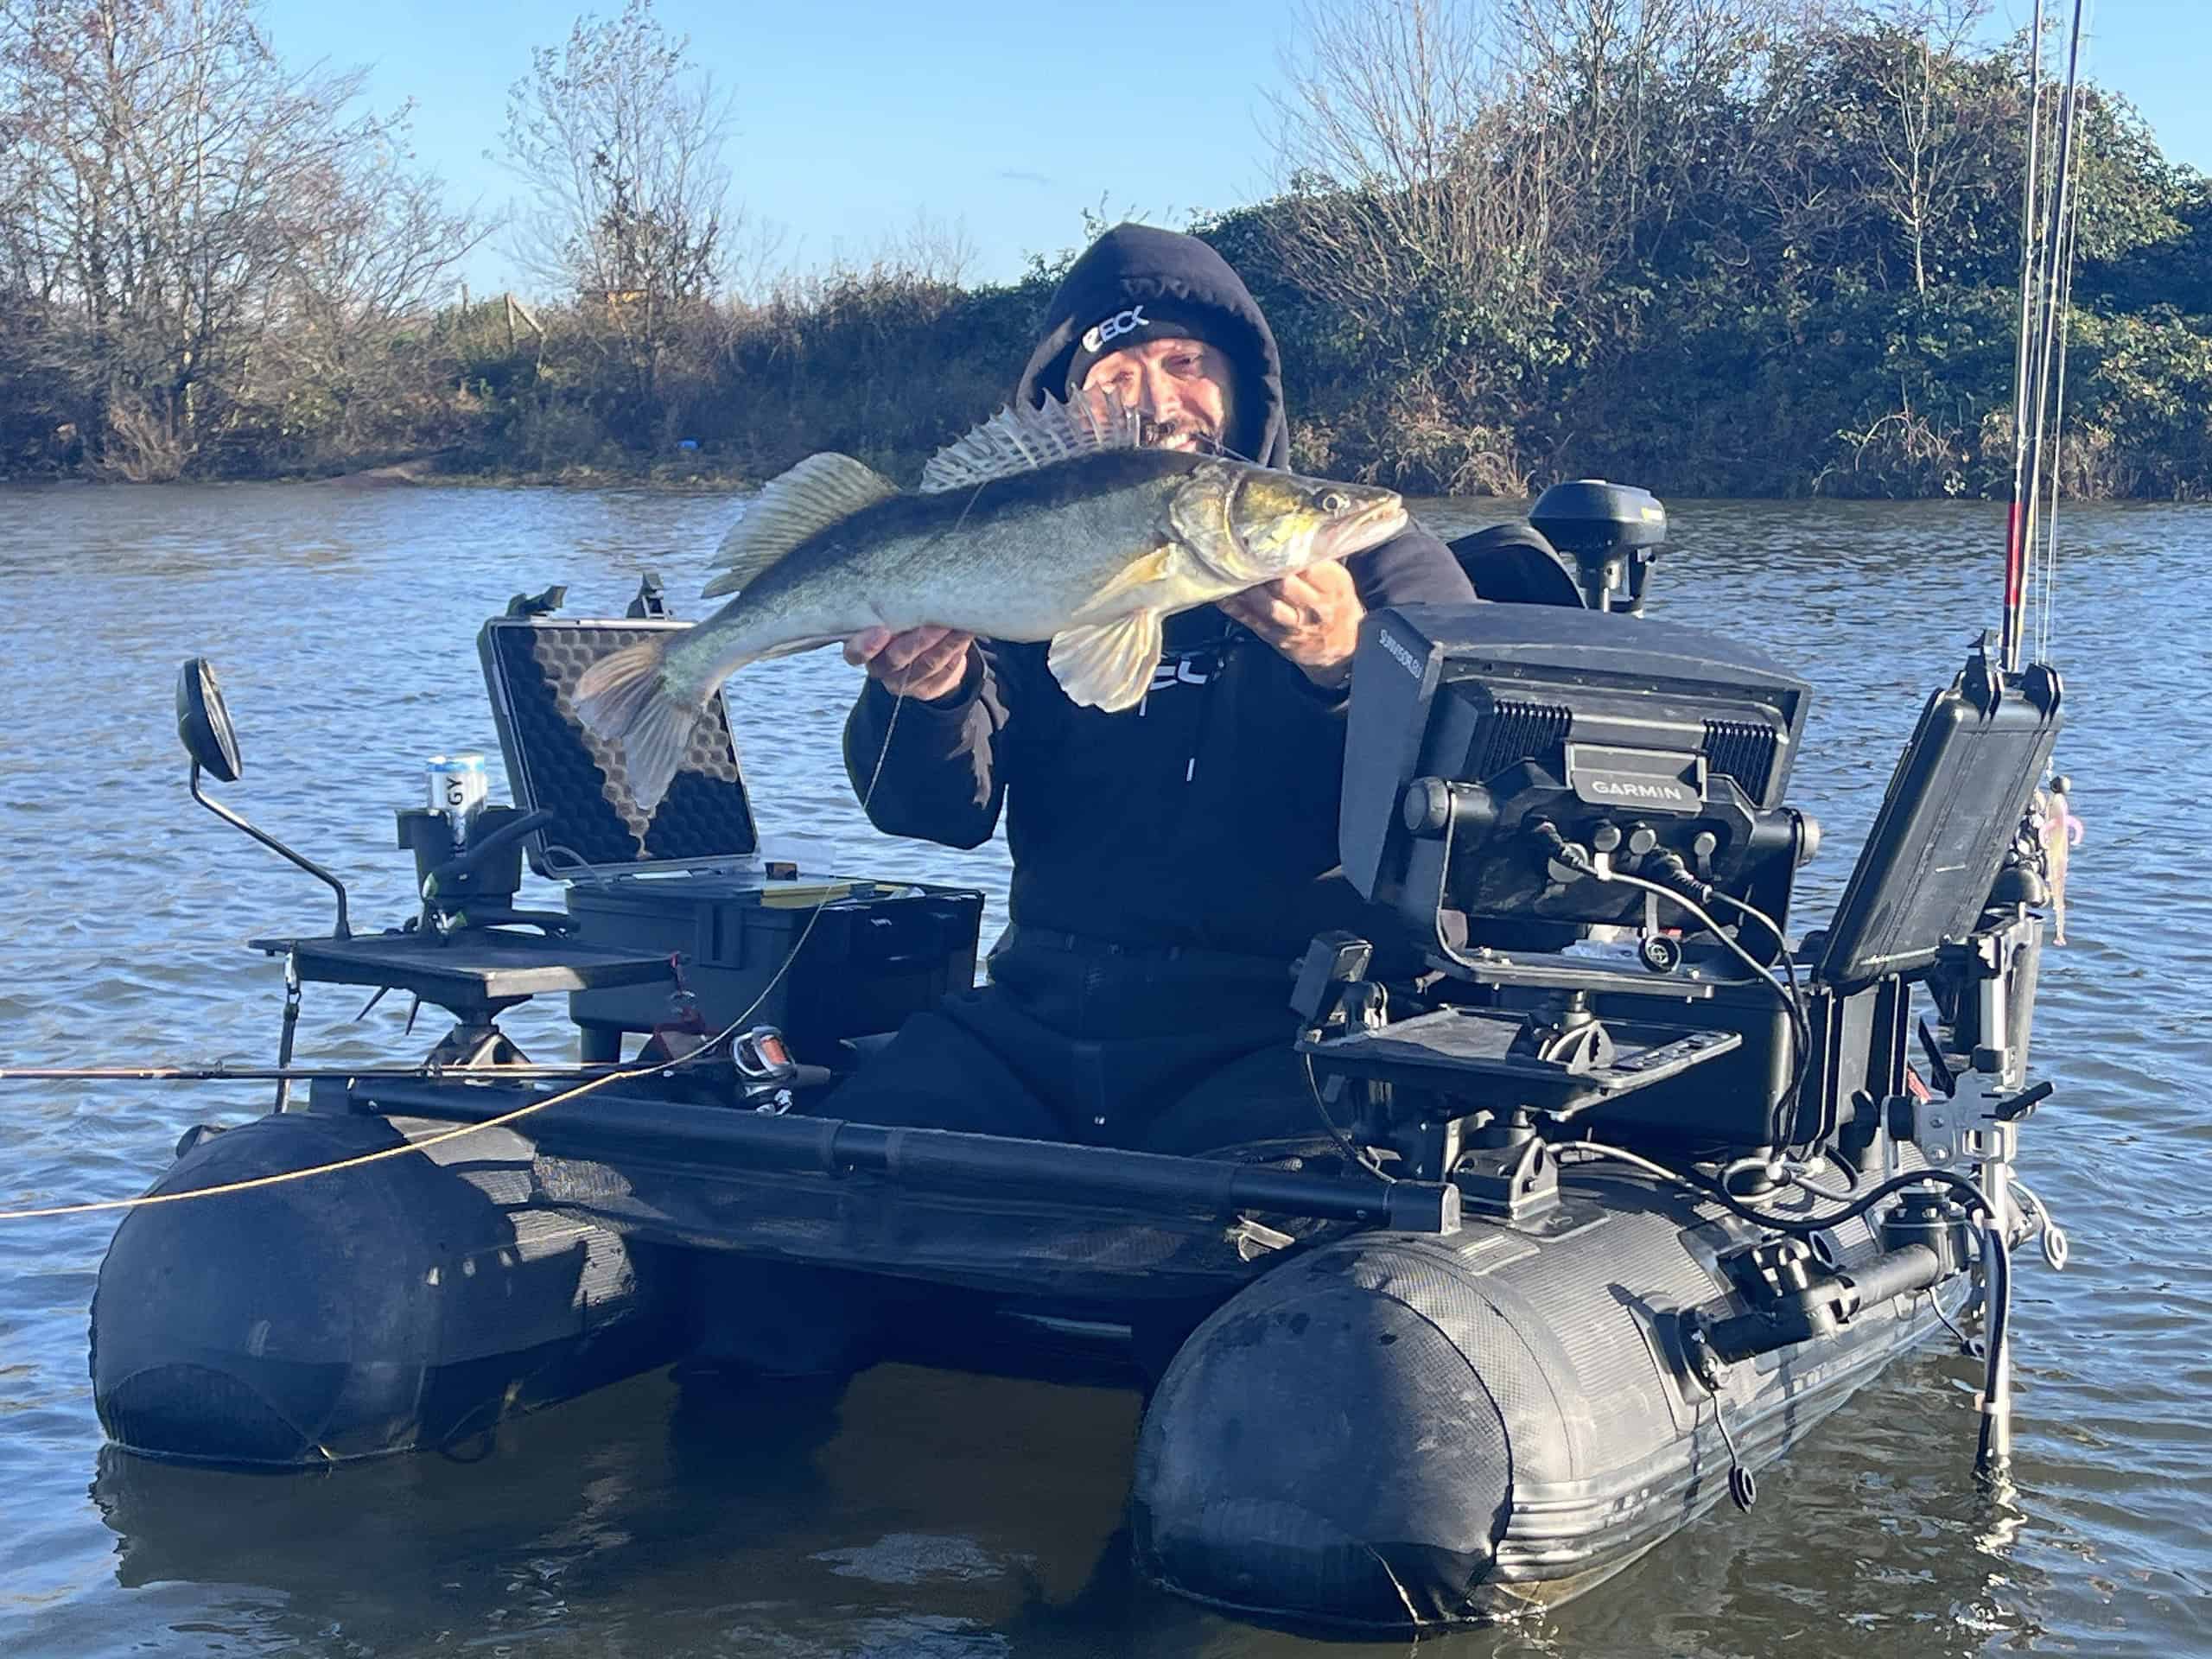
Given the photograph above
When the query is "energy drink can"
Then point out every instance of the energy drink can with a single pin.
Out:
(458, 789)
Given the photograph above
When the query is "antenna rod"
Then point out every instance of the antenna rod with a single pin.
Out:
(2016, 546)
(2015, 583)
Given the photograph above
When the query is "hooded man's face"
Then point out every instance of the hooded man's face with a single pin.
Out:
(1180, 386)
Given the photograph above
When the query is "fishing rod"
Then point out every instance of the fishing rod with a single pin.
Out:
(221, 1073)
(2015, 517)
(2047, 571)
(2054, 243)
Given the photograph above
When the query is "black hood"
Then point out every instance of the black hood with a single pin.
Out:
(1133, 264)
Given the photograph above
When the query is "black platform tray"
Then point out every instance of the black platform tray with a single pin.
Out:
(478, 968)
(1453, 1047)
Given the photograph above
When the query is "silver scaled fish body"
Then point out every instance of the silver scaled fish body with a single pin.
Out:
(1052, 524)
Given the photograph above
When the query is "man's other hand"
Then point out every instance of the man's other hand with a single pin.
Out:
(1313, 618)
(925, 663)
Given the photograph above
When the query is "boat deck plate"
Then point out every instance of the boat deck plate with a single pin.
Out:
(477, 970)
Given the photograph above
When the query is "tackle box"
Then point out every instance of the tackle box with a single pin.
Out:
(687, 879)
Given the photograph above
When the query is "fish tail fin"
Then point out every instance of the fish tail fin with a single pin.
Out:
(626, 701)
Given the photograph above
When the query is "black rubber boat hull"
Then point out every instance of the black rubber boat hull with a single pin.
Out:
(1383, 1432)
(403, 1305)
(1397, 1433)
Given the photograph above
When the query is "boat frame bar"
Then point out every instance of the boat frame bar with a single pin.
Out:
(611, 1126)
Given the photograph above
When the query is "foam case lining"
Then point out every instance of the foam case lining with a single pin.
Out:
(531, 665)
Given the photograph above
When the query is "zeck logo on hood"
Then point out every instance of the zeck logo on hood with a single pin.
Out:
(1122, 322)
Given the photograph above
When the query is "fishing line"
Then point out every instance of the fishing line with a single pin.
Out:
(634, 1070)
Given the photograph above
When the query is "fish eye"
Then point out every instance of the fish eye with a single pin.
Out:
(1333, 501)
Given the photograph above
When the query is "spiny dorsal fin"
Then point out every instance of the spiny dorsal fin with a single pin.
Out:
(821, 490)
(1022, 440)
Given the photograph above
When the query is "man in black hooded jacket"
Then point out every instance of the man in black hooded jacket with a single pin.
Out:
(1170, 863)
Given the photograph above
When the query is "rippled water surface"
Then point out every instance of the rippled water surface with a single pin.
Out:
(949, 1516)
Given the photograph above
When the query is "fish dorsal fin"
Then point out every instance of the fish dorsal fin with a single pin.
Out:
(1109, 665)
(821, 490)
(1022, 440)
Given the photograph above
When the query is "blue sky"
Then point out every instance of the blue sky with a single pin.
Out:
(855, 115)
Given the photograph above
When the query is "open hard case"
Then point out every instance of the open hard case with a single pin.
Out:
(688, 880)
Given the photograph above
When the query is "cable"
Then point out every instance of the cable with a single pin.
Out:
(1996, 1395)
(1801, 1027)
(1996, 1258)
(1358, 1154)
(1622, 1155)
(1713, 895)
(1968, 1346)
(1788, 1169)
(1970, 1195)
(1826, 1194)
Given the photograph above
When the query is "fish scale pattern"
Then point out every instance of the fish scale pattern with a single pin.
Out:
(581, 779)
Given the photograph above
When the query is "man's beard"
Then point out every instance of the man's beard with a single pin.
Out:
(1203, 438)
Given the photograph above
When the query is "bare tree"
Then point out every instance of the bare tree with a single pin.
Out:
(1918, 46)
(620, 141)
(173, 181)
(357, 297)
(1394, 151)
(1645, 108)
(1514, 153)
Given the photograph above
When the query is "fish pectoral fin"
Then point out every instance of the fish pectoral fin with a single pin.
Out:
(1022, 440)
(821, 490)
(1144, 570)
(1109, 664)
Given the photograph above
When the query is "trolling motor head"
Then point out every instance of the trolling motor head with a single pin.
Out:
(203, 724)
(1611, 533)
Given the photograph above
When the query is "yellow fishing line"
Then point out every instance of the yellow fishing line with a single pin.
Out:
(355, 1162)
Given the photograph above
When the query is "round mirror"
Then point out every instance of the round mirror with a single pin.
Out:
(204, 724)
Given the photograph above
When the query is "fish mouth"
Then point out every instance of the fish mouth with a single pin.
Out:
(1372, 524)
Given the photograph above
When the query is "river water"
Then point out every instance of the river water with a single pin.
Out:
(951, 1516)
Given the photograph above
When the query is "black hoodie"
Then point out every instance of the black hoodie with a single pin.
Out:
(1206, 817)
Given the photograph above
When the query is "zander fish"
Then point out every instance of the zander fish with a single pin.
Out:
(1048, 524)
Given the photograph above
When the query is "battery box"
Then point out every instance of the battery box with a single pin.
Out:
(825, 959)
(864, 954)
